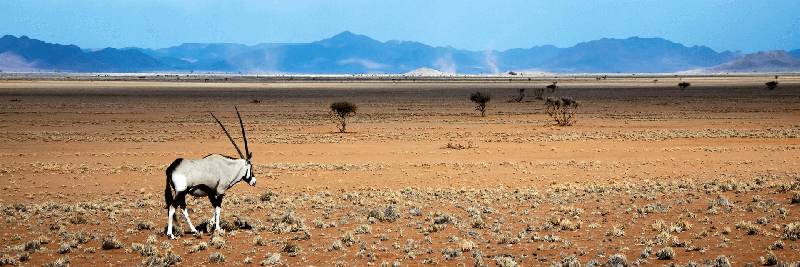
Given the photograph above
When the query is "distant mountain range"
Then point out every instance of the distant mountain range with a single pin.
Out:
(775, 60)
(35, 54)
(351, 53)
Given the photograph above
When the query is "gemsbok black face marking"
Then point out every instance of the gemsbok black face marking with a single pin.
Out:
(210, 176)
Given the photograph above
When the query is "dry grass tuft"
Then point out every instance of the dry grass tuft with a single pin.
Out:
(111, 242)
(465, 245)
(216, 257)
(792, 231)
(291, 247)
(148, 225)
(752, 229)
(617, 260)
(478, 223)
(217, 242)
(665, 254)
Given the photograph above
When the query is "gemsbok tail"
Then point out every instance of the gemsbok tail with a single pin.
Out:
(168, 191)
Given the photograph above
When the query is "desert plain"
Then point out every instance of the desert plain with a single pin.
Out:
(648, 174)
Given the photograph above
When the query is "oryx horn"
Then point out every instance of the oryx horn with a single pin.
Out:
(229, 135)
(246, 151)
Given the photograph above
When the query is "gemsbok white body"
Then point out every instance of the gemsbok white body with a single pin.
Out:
(210, 177)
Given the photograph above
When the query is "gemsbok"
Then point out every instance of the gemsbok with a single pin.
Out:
(210, 176)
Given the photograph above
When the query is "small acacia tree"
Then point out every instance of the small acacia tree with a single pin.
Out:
(339, 113)
(561, 109)
(481, 99)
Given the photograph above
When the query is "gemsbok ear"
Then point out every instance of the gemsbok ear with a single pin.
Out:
(249, 155)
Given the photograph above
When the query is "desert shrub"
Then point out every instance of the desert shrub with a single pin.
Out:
(646, 253)
(796, 197)
(792, 231)
(665, 254)
(268, 196)
(478, 223)
(24, 256)
(63, 249)
(77, 218)
(480, 99)
(216, 257)
(260, 241)
(340, 111)
(561, 110)
(148, 225)
(571, 261)
(347, 238)
(779, 244)
(752, 229)
(363, 229)
(722, 261)
(111, 242)
(465, 245)
(771, 85)
(217, 242)
(80, 237)
(33, 246)
(149, 250)
(290, 247)
(177, 230)
(458, 146)
(615, 231)
(769, 259)
(386, 215)
(6, 259)
(450, 253)
(272, 259)
(684, 85)
(617, 260)
(538, 93)
(660, 226)
(520, 95)
(503, 261)
(198, 247)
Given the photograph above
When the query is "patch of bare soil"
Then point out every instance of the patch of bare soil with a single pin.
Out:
(649, 174)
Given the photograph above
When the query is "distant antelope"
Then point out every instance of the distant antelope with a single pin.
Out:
(211, 176)
(552, 87)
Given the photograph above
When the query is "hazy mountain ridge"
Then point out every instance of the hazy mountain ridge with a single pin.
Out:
(351, 53)
(39, 55)
(635, 55)
(795, 53)
(771, 61)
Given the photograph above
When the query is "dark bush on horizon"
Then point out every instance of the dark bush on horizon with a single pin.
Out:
(480, 99)
(339, 113)
(562, 110)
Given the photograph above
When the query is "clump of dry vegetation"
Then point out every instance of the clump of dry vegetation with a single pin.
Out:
(562, 109)
(480, 99)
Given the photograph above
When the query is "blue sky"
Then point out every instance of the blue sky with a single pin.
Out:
(749, 26)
